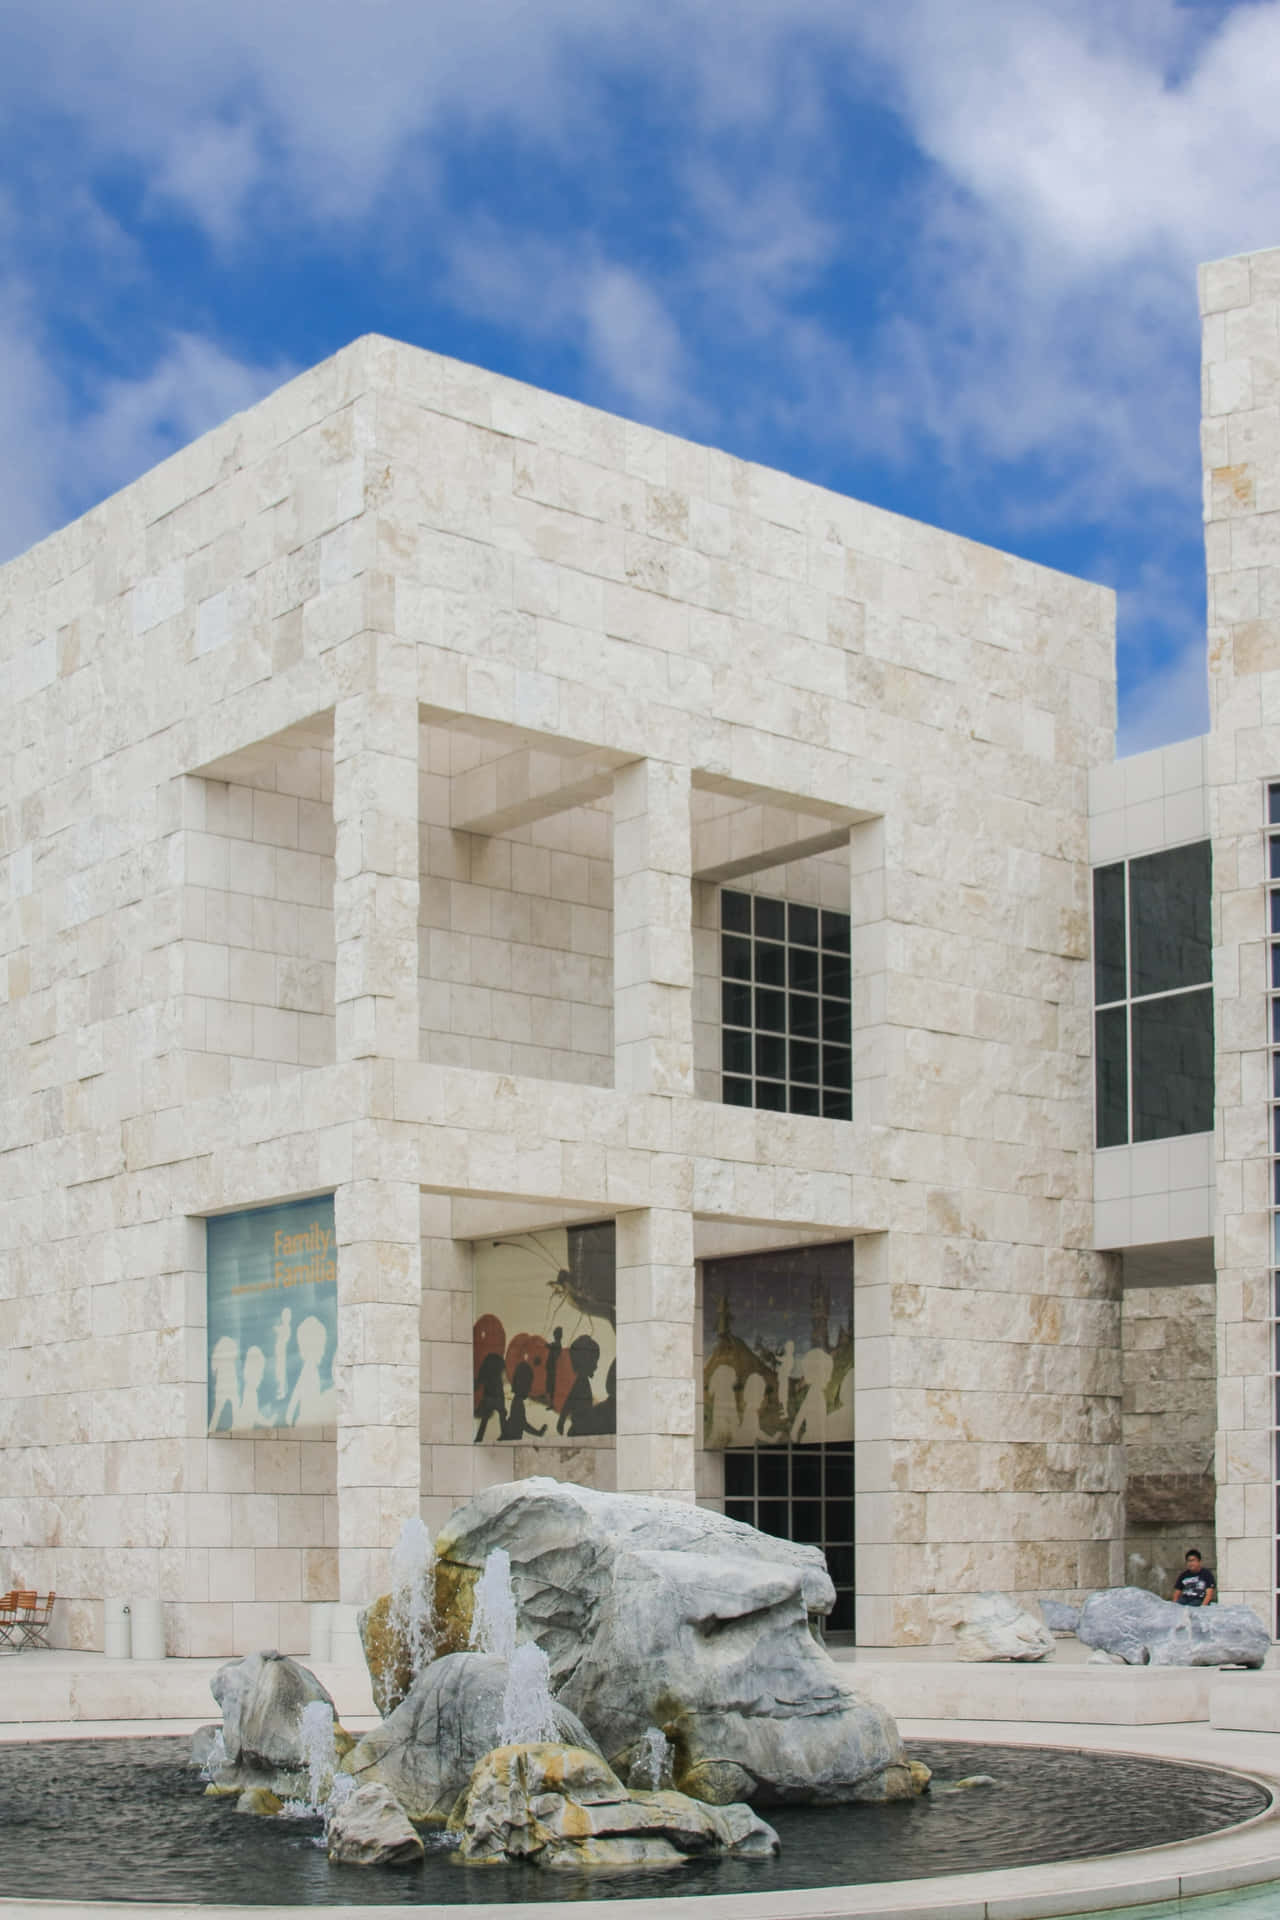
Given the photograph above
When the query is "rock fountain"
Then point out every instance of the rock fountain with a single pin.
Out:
(571, 1678)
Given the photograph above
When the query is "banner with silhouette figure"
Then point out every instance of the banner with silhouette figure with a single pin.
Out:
(272, 1277)
(777, 1343)
(544, 1341)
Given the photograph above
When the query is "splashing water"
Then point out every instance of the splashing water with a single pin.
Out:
(493, 1618)
(528, 1711)
(216, 1758)
(316, 1736)
(651, 1767)
(413, 1562)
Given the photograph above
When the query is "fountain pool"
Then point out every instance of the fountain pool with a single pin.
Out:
(126, 1820)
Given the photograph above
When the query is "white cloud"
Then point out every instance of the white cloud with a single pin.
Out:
(57, 459)
(1027, 322)
(567, 290)
(1169, 703)
(633, 341)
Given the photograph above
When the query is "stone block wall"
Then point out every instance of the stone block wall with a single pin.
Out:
(1170, 1422)
(1240, 305)
(258, 952)
(394, 532)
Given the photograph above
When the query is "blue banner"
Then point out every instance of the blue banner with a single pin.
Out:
(273, 1317)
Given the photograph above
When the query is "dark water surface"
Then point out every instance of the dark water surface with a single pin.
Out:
(127, 1820)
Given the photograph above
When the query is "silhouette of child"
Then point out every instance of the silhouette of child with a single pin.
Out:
(554, 1352)
(490, 1394)
(310, 1404)
(250, 1414)
(750, 1432)
(811, 1419)
(515, 1424)
(283, 1327)
(584, 1358)
(224, 1359)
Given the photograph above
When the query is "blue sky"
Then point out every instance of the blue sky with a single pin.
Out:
(939, 254)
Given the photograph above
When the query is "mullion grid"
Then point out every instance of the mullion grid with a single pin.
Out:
(1273, 1034)
(800, 1478)
(1126, 1004)
(786, 1006)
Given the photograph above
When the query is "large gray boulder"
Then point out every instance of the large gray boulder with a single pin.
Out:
(558, 1807)
(426, 1750)
(992, 1626)
(1142, 1629)
(371, 1829)
(654, 1613)
(262, 1698)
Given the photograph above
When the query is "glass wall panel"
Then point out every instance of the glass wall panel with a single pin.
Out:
(1170, 920)
(1109, 976)
(1111, 1076)
(1173, 1065)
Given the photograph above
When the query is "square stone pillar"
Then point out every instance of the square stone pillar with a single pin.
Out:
(652, 929)
(378, 1375)
(377, 1369)
(375, 889)
(656, 1356)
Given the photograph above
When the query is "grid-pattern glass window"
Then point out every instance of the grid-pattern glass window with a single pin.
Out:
(1153, 1020)
(785, 1006)
(800, 1493)
(1273, 1034)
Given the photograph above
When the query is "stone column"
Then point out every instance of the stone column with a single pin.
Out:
(377, 1219)
(653, 1055)
(655, 1353)
(652, 929)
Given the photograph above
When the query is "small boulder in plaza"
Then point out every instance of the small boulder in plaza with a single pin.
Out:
(559, 1807)
(262, 1697)
(1058, 1618)
(1142, 1629)
(371, 1829)
(992, 1626)
(425, 1751)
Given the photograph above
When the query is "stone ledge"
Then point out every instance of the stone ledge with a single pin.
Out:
(1076, 1694)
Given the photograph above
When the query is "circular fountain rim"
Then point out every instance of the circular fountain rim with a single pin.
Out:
(1181, 1869)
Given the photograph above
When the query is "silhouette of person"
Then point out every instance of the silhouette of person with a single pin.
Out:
(309, 1404)
(250, 1414)
(811, 1417)
(283, 1328)
(844, 1407)
(606, 1415)
(750, 1433)
(584, 1358)
(722, 1411)
(515, 1424)
(490, 1394)
(554, 1352)
(226, 1386)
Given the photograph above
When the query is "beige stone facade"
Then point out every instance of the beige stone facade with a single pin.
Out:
(1240, 303)
(372, 769)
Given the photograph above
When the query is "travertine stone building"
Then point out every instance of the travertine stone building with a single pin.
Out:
(388, 779)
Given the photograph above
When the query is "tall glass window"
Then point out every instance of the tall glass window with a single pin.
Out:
(1153, 1020)
(785, 1005)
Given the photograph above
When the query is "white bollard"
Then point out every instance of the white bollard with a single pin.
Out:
(147, 1629)
(115, 1629)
